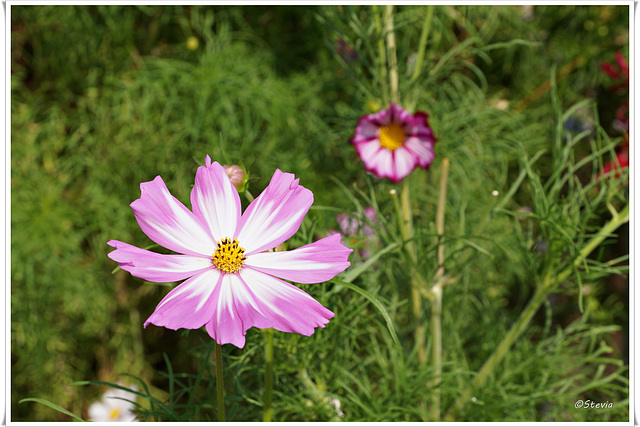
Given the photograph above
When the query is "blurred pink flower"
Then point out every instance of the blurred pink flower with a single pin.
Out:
(350, 226)
(230, 287)
(621, 73)
(356, 231)
(392, 142)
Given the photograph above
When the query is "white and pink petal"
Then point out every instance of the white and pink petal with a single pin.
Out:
(189, 305)
(422, 150)
(399, 115)
(236, 311)
(313, 263)
(215, 201)
(382, 164)
(275, 215)
(382, 117)
(403, 163)
(166, 221)
(288, 308)
(368, 150)
(366, 130)
(156, 267)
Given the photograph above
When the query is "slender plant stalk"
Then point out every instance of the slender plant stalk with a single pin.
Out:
(417, 281)
(442, 197)
(268, 373)
(382, 56)
(436, 301)
(540, 295)
(391, 54)
(423, 43)
(219, 383)
(418, 284)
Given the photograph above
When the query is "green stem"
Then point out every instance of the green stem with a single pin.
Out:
(219, 384)
(391, 53)
(442, 197)
(537, 300)
(436, 301)
(268, 371)
(436, 348)
(423, 43)
(405, 223)
(382, 55)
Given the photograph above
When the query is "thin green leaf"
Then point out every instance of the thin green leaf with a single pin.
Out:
(376, 303)
(52, 405)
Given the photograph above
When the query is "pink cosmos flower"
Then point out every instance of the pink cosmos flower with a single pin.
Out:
(392, 142)
(233, 282)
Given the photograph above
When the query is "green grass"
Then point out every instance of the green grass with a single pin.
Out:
(106, 97)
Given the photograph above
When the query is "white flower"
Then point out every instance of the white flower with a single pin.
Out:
(336, 405)
(112, 407)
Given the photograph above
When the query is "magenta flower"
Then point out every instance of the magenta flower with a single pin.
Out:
(233, 282)
(392, 142)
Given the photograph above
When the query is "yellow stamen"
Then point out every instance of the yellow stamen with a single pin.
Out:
(392, 136)
(229, 256)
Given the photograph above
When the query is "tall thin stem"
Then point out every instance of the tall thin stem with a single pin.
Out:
(219, 383)
(268, 373)
(540, 295)
(382, 56)
(405, 222)
(423, 43)
(391, 53)
(436, 290)
(418, 284)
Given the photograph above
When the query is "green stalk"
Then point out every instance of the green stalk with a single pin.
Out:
(405, 225)
(391, 53)
(436, 301)
(423, 43)
(382, 55)
(219, 384)
(405, 222)
(268, 373)
(530, 310)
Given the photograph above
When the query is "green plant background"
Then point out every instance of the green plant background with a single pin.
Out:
(106, 97)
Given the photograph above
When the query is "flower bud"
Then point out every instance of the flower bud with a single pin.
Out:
(236, 175)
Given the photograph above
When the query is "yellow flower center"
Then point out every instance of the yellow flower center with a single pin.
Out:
(229, 256)
(115, 413)
(392, 136)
